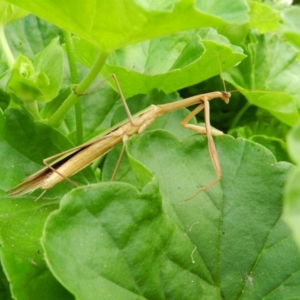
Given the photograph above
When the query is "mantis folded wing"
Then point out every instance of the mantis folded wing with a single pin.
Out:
(72, 161)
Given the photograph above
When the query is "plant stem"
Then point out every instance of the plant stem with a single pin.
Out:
(74, 80)
(5, 48)
(57, 117)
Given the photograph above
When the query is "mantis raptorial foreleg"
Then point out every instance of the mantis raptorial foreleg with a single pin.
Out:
(197, 128)
(211, 144)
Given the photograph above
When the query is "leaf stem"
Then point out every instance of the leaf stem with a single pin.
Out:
(74, 79)
(5, 48)
(57, 117)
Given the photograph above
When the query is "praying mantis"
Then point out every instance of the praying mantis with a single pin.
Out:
(72, 161)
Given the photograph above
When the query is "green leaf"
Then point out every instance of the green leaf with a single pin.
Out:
(50, 62)
(192, 51)
(290, 19)
(276, 146)
(227, 214)
(22, 80)
(9, 13)
(264, 71)
(217, 245)
(22, 219)
(32, 138)
(263, 17)
(293, 139)
(21, 223)
(290, 26)
(139, 21)
(135, 272)
(4, 287)
(40, 80)
(3, 69)
(30, 35)
(28, 146)
(267, 131)
(292, 204)
(4, 99)
(292, 190)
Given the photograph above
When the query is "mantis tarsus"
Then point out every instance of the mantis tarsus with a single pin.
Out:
(70, 162)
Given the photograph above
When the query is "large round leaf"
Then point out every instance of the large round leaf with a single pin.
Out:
(228, 242)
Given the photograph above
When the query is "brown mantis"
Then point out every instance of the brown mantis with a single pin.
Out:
(70, 162)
